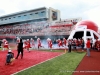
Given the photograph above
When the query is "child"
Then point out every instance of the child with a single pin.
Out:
(10, 58)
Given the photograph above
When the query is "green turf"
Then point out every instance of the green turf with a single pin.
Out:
(62, 65)
(48, 50)
(0, 48)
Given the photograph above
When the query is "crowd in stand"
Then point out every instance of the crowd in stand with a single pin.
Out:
(19, 29)
(31, 28)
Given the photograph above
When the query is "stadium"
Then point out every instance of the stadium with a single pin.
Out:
(46, 23)
(41, 22)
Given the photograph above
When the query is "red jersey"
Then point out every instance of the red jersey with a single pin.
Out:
(39, 42)
(88, 44)
(28, 44)
(6, 44)
(50, 44)
(65, 41)
(32, 43)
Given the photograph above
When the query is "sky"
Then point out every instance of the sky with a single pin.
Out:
(86, 9)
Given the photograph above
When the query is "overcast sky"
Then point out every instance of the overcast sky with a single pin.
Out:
(87, 9)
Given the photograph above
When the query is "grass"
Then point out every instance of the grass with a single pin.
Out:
(48, 50)
(62, 65)
(0, 48)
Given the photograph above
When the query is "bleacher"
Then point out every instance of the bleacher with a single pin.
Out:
(38, 28)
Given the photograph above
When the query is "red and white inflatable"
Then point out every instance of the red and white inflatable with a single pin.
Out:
(85, 29)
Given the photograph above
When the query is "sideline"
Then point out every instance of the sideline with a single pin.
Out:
(37, 64)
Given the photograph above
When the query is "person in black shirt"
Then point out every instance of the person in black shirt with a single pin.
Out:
(82, 44)
(69, 45)
(20, 49)
(0, 43)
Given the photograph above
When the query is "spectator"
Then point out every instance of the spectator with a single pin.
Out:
(69, 45)
(91, 42)
(82, 45)
(88, 46)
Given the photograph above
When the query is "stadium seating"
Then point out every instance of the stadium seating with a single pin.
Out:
(35, 29)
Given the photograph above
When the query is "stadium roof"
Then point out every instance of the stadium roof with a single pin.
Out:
(21, 12)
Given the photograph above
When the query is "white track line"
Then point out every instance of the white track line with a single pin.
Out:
(37, 64)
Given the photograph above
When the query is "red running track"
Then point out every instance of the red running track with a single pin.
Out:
(89, 65)
(29, 59)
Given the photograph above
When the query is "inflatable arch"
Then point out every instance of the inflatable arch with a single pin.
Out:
(85, 29)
